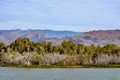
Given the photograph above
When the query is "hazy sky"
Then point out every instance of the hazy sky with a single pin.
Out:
(75, 15)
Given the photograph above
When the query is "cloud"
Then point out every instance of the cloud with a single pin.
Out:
(76, 14)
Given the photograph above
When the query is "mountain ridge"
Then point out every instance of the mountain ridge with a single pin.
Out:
(8, 36)
(99, 37)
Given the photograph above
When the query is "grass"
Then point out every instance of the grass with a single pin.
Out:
(62, 66)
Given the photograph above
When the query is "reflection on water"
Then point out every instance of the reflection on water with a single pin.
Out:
(59, 74)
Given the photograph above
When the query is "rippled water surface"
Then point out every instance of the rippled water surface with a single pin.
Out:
(59, 74)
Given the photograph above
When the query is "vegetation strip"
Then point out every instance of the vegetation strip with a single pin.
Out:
(25, 53)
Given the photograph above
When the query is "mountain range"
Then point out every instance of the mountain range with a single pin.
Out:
(8, 36)
(100, 37)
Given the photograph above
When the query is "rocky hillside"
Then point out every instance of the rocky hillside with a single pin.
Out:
(101, 37)
(8, 36)
(57, 34)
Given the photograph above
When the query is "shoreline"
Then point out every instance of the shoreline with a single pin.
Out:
(61, 66)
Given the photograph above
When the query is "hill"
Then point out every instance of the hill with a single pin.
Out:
(100, 37)
(8, 36)
(57, 34)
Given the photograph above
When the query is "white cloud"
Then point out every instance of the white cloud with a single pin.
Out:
(60, 14)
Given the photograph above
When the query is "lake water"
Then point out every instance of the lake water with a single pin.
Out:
(59, 74)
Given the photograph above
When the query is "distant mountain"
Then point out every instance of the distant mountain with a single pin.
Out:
(8, 36)
(57, 34)
(100, 37)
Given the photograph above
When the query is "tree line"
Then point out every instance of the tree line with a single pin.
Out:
(23, 51)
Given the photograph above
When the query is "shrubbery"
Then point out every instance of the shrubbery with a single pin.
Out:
(24, 51)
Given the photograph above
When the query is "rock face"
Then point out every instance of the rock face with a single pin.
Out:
(101, 37)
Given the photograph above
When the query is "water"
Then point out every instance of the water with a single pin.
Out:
(59, 74)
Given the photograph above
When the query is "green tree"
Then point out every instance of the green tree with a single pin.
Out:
(21, 45)
(2, 45)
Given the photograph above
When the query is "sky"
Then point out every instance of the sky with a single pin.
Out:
(73, 15)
